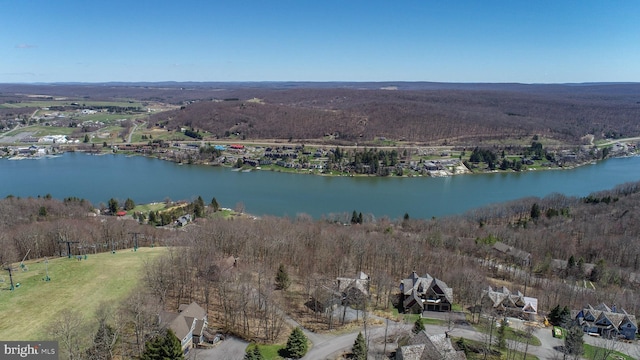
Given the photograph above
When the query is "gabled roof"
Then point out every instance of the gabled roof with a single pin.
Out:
(193, 310)
(360, 283)
(182, 322)
(423, 346)
(503, 298)
(602, 312)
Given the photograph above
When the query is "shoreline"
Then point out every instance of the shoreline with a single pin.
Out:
(460, 169)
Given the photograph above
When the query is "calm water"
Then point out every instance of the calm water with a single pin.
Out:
(99, 178)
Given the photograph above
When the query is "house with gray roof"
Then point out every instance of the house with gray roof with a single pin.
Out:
(354, 288)
(423, 346)
(189, 324)
(425, 293)
(509, 303)
(608, 322)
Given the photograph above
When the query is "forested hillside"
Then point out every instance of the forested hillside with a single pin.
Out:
(569, 239)
(435, 116)
(430, 113)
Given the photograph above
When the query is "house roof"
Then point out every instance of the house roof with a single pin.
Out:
(187, 317)
(360, 283)
(415, 286)
(423, 346)
(602, 312)
(193, 310)
(504, 298)
(510, 250)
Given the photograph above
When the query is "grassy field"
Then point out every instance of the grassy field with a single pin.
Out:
(594, 352)
(78, 285)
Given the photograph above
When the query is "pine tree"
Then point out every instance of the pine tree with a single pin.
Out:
(214, 205)
(103, 343)
(418, 325)
(354, 217)
(501, 336)
(253, 353)
(198, 207)
(282, 278)
(113, 206)
(129, 204)
(573, 341)
(359, 349)
(161, 347)
(297, 345)
(535, 211)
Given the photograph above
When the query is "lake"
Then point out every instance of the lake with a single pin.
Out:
(145, 180)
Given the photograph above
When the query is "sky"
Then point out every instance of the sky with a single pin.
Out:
(488, 41)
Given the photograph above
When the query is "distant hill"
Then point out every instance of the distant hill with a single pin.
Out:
(433, 113)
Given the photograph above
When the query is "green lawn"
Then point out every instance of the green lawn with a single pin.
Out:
(594, 352)
(269, 352)
(145, 208)
(78, 285)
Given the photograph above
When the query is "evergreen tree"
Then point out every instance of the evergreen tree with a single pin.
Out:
(359, 349)
(535, 211)
(152, 217)
(554, 315)
(129, 204)
(198, 207)
(253, 353)
(501, 335)
(257, 355)
(354, 217)
(215, 205)
(418, 325)
(573, 341)
(282, 278)
(103, 343)
(163, 347)
(297, 344)
(113, 206)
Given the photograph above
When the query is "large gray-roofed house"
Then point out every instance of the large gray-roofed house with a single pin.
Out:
(510, 303)
(423, 346)
(607, 322)
(189, 324)
(420, 293)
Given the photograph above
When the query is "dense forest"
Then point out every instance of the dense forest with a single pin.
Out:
(435, 114)
(433, 117)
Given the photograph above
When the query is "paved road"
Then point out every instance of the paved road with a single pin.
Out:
(230, 349)
(327, 346)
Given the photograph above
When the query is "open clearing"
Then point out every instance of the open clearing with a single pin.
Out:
(77, 285)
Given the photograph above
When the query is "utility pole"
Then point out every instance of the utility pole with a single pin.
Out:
(135, 240)
(68, 247)
(10, 270)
